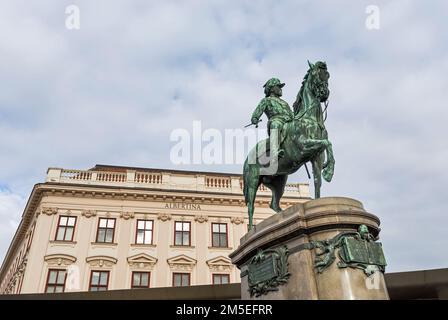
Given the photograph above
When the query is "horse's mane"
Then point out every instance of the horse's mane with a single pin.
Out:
(298, 103)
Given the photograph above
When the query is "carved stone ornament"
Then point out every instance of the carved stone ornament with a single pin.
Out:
(201, 219)
(49, 210)
(88, 213)
(356, 250)
(127, 215)
(101, 261)
(164, 216)
(15, 279)
(267, 270)
(237, 220)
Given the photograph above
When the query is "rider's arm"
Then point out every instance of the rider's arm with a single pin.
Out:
(258, 111)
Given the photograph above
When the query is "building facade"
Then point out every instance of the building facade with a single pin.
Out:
(110, 228)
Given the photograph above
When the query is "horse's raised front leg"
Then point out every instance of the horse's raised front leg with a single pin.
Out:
(317, 174)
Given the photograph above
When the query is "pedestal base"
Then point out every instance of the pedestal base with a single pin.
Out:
(327, 257)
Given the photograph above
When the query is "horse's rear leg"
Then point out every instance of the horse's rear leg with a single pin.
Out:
(317, 174)
(277, 185)
(251, 194)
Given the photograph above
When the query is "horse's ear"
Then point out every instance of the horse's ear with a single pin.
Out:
(310, 64)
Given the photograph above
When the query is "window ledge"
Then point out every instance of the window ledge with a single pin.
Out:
(62, 242)
(144, 245)
(183, 247)
(105, 244)
(220, 248)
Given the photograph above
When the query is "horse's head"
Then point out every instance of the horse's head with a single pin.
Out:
(317, 79)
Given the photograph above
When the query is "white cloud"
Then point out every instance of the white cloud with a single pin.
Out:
(113, 91)
(11, 206)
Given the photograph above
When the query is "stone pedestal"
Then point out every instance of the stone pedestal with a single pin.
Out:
(303, 229)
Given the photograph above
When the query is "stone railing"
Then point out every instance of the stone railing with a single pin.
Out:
(148, 177)
(218, 182)
(165, 180)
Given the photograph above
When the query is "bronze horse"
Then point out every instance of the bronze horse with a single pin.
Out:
(304, 139)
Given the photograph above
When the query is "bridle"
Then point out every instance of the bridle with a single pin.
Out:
(326, 103)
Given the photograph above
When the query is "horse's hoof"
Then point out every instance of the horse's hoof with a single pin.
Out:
(276, 209)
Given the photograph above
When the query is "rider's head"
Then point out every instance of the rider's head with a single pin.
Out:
(273, 87)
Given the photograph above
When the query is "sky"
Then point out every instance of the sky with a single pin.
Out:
(112, 91)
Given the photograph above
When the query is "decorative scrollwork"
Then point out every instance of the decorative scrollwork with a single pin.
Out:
(356, 250)
(267, 270)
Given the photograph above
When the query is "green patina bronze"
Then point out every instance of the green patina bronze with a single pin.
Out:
(296, 137)
(267, 270)
(356, 250)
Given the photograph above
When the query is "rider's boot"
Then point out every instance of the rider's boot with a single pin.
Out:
(276, 151)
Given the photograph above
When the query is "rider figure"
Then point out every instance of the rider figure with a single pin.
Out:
(278, 112)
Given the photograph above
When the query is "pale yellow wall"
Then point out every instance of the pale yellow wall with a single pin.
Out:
(54, 203)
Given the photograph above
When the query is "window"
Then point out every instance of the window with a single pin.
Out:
(99, 280)
(221, 278)
(66, 226)
(106, 228)
(144, 232)
(181, 279)
(55, 281)
(182, 233)
(140, 279)
(219, 235)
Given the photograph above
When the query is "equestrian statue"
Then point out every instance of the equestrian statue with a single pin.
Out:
(296, 137)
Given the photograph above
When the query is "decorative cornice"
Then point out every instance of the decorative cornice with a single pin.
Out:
(127, 215)
(101, 261)
(59, 259)
(88, 213)
(181, 263)
(237, 220)
(220, 264)
(142, 261)
(201, 218)
(164, 216)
